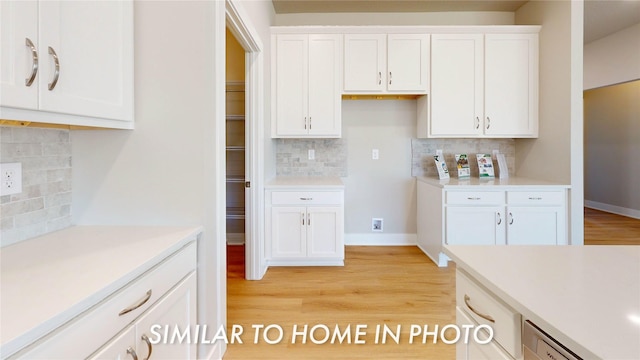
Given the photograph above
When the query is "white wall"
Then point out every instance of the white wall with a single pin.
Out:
(381, 188)
(613, 59)
(557, 155)
(165, 172)
(404, 18)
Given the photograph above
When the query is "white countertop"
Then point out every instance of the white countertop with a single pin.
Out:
(304, 182)
(474, 182)
(586, 297)
(48, 280)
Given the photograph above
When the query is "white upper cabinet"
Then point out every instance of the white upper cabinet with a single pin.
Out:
(72, 58)
(484, 85)
(511, 85)
(380, 63)
(306, 80)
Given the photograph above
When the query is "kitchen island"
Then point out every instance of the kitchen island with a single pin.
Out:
(585, 297)
(55, 286)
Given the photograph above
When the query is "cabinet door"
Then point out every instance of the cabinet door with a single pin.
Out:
(177, 310)
(122, 347)
(325, 226)
(473, 350)
(365, 64)
(292, 67)
(475, 225)
(408, 62)
(93, 43)
(324, 91)
(536, 225)
(456, 85)
(288, 231)
(511, 85)
(19, 29)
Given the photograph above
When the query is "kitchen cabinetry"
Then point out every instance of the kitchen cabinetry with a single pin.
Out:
(475, 306)
(164, 295)
(67, 63)
(381, 63)
(484, 85)
(305, 227)
(307, 73)
(175, 310)
(480, 212)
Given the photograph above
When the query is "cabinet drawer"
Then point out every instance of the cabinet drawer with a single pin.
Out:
(89, 331)
(479, 304)
(533, 198)
(307, 198)
(475, 197)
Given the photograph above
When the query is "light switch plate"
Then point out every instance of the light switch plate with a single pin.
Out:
(10, 178)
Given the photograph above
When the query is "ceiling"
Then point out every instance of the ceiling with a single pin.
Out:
(601, 17)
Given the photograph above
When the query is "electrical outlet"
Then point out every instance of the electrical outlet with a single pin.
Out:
(10, 178)
(375, 154)
(312, 154)
(377, 224)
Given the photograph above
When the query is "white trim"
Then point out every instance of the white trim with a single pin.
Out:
(368, 239)
(215, 353)
(614, 209)
(238, 23)
(417, 29)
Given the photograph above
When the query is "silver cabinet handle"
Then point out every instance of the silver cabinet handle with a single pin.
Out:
(467, 299)
(302, 216)
(56, 73)
(309, 122)
(305, 123)
(390, 77)
(308, 219)
(488, 122)
(132, 352)
(34, 66)
(145, 338)
(499, 218)
(379, 77)
(306, 199)
(510, 219)
(141, 302)
(534, 198)
(473, 198)
(477, 122)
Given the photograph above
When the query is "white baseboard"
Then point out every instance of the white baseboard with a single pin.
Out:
(369, 239)
(235, 238)
(633, 213)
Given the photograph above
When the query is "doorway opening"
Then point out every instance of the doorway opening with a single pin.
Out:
(236, 149)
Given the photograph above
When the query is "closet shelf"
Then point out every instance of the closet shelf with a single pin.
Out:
(235, 117)
(235, 148)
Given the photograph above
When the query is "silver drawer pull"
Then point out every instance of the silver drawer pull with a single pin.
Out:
(56, 73)
(499, 219)
(142, 301)
(132, 352)
(306, 199)
(473, 198)
(34, 65)
(145, 338)
(484, 316)
(534, 198)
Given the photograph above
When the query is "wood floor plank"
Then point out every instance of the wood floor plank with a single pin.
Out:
(377, 286)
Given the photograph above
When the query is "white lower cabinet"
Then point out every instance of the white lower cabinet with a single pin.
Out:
(114, 328)
(305, 227)
(512, 217)
(175, 311)
(475, 306)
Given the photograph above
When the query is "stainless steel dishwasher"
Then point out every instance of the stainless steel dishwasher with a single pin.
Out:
(537, 345)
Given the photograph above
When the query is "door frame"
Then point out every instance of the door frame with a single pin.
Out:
(238, 23)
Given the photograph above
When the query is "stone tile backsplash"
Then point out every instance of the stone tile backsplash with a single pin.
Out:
(292, 157)
(45, 202)
(422, 150)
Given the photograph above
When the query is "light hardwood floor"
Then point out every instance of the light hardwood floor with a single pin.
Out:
(377, 286)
